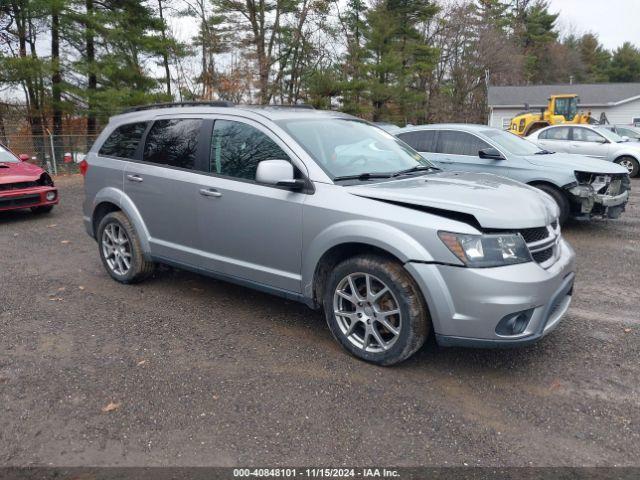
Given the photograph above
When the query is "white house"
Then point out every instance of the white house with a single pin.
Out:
(619, 101)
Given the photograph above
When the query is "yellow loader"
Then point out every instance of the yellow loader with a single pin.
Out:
(560, 109)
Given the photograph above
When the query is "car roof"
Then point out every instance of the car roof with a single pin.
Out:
(583, 125)
(257, 112)
(465, 127)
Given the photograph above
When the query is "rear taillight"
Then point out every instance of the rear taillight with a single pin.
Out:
(84, 166)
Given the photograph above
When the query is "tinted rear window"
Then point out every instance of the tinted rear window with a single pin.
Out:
(460, 143)
(173, 142)
(124, 140)
(422, 141)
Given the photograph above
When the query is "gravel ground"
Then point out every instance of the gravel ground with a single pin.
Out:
(206, 373)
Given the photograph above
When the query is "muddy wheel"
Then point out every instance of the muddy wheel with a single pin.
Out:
(375, 309)
(120, 249)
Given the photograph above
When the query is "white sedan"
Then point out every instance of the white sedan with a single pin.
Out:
(592, 140)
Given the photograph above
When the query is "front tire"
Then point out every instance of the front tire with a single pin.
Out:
(631, 164)
(375, 309)
(561, 200)
(120, 249)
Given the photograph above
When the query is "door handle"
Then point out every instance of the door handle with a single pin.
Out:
(134, 178)
(210, 192)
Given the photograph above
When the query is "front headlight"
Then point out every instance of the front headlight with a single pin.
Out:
(490, 250)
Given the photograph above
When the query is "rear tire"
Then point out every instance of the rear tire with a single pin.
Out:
(43, 209)
(630, 163)
(120, 249)
(534, 128)
(561, 200)
(368, 328)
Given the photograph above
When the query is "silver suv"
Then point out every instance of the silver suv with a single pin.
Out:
(326, 209)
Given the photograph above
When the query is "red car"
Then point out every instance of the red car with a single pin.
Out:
(24, 185)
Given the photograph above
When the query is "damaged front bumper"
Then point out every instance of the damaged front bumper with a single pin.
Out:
(599, 195)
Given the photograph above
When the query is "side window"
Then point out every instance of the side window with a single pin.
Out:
(422, 141)
(560, 133)
(123, 141)
(237, 148)
(586, 135)
(173, 142)
(459, 143)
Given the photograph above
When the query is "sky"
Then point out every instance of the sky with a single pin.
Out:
(614, 21)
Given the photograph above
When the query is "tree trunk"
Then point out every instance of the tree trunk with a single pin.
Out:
(92, 79)
(34, 114)
(56, 80)
(3, 133)
(165, 55)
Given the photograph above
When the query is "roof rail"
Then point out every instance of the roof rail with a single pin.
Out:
(305, 106)
(213, 103)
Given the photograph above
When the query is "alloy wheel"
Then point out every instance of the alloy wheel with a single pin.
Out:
(367, 312)
(116, 248)
(628, 164)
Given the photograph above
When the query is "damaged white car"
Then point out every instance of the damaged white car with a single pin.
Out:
(582, 186)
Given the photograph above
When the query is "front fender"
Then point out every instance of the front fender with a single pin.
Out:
(122, 200)
(380, 235)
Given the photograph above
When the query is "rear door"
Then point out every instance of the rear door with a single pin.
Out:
(163, 185)
(585, 141)
(249, 230)
(555, 139)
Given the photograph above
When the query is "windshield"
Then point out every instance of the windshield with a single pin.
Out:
(629, 132)
(511, 142)
(608, 134)
(346, 147)
(6, 156)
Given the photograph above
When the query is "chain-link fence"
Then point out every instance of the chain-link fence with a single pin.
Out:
(58, 154)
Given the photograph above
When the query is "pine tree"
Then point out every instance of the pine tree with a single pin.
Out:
(534, 27)
(625, 64)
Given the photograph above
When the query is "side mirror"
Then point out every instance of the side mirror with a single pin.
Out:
(278, 173)
(23, 157)
(625, 138)
(490, 154)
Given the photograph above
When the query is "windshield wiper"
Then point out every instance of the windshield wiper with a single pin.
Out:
(363, 176)
(417, 168)
(544, 152)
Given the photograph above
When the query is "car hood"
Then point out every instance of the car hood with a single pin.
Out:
(19, 172)
(582, 163)
(495, 202)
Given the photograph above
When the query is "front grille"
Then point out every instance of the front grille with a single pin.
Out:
(543, 255)
(21, 201)
(531, 235)
(17, 186)
(542, 241)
